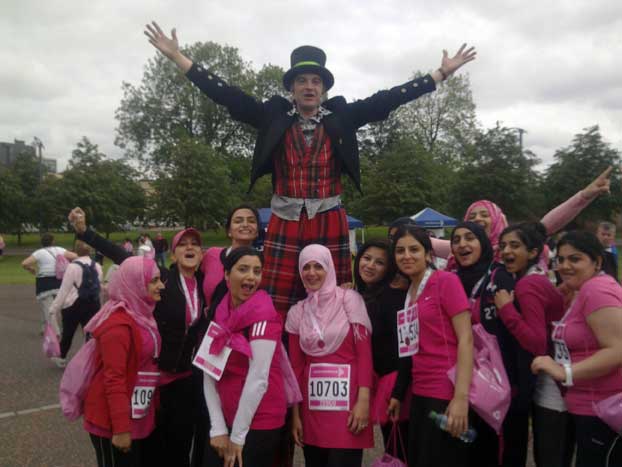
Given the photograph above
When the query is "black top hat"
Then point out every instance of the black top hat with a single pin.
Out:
(308, 59)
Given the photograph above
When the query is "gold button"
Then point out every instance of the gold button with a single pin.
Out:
(425, 80)
(210, 77)
(415, 85)
(340, 141)
(403, 91)
(220, 84)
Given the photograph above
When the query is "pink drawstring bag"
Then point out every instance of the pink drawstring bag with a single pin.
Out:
(490, 393)
(51, 347)
(388, 459)
(76, 380)
(60, 266)
(609, 410)
(293, 395)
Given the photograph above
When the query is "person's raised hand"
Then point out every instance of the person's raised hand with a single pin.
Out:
(450, 64)
(77, 218)
(169, 46)
(599, 186)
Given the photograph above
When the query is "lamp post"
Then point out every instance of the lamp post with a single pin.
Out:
(38, 144)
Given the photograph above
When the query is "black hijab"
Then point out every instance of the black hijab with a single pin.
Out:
(471, 274)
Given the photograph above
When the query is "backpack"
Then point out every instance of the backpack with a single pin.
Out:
(90, 287)
(60, 264)
(76, 380)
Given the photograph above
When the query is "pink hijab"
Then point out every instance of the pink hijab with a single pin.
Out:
(128, 291)
(330, 310)
(498, 222)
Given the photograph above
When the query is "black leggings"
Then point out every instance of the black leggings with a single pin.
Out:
(428, 445)
(144, 453)
(553, 437)
(595, 443)
(79, 313)
(332, 457)
(259, 449)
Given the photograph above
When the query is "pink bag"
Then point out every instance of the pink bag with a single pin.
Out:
(388, 459)
(76, 380)
(293, 395)
(51, 347)
(60, 266)
(381, 397)
(609, 410)
(490, 393)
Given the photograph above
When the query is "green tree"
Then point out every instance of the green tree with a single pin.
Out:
(576, 166)
(494, 168)
(108, 190)
(13, 203)
(191, 185)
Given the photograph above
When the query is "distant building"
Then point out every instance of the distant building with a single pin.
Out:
(9, 152)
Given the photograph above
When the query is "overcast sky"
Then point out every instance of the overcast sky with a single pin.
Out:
(551, 67)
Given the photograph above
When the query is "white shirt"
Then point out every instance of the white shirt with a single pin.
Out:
(46, 260)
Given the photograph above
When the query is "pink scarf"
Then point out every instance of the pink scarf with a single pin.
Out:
(233, 321)
(498, 222)
(322, 320)
(128, 291)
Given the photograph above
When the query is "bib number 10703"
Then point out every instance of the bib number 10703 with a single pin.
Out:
(329, 387)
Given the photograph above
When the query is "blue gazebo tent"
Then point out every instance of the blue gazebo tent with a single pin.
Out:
(433, 220)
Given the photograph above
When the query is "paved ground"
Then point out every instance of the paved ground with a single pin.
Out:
(33, 432)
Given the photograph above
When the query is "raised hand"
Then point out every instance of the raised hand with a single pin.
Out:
(77, 218)
(464, 55)
(599, 186)
(169, 46)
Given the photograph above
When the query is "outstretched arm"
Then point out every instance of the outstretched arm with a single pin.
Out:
(169, 46)
(557, 218)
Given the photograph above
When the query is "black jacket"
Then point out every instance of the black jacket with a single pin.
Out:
(178, 341)
(271, 120)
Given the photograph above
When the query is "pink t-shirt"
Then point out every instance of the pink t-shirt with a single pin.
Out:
(212, 268)
(597, 293)
(328, 429)
(442, 298)
(271, 411)
(191, 284)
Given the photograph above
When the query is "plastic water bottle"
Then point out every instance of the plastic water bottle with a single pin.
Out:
(440, 420)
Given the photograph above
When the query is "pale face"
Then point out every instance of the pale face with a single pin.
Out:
(188, 253)
(465, 247)
(154, 287)
(244, 279)
(410, 256)
(515, 254)
(313, 276)
(244, 227)
(373, 265)
(575, 267)
(606, 237)
(307, 90)
(481, 216)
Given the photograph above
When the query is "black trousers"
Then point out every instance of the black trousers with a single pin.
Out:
(79, 313)
(259, 449)
(484, 451)
(176, 420)
(401, 430)
(143, 453)
(515, 437)
(595, 443)
(553, 437)
(428, 445)
(332, 457)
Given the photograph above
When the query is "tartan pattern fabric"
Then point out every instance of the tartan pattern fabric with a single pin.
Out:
(282, 246)
(304, 170)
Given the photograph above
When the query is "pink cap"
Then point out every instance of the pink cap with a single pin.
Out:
(189, 231)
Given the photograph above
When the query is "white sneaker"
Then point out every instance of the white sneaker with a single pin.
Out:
(59, 362)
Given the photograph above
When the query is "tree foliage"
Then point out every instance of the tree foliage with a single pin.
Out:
(576, 166)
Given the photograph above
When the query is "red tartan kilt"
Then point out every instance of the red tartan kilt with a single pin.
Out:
(283, 243)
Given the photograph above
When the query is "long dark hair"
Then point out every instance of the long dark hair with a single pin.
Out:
(585, 242)
(374, 289)
(532, 234)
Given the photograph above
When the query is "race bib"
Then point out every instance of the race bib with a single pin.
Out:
(213, 365)
(329, 387)
(562, 354)
(408, 331)
(146, 383)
